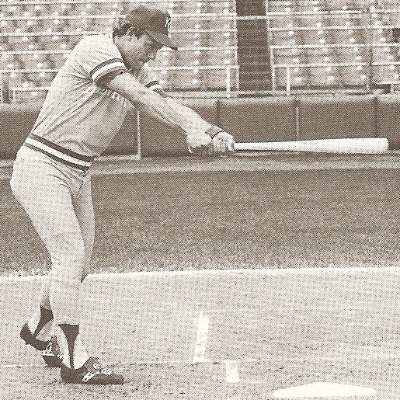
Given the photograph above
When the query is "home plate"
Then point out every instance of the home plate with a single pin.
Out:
(323, 389)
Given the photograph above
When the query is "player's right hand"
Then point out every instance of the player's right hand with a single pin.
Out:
(198, 143)
(223, 143)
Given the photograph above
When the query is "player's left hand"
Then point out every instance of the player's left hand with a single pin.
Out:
(222, 143)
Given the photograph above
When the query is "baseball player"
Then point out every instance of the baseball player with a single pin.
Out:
(103, 78)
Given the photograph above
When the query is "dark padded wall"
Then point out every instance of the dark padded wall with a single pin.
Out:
(337, 117)
(16, 122)
(248, 119)
(125, 141)
(157, 139)
(259, 119)
(388, 119)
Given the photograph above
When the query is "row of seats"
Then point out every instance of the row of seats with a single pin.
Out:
(38, 36)
(318, 34)
(15, 8)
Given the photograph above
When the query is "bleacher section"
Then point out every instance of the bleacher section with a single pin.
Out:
(36, 36)
(333, 44)
(276, 45)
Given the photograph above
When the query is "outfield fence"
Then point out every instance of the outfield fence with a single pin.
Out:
(275, 118)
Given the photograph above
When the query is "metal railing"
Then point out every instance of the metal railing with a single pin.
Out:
(231, 79)
(289, 67)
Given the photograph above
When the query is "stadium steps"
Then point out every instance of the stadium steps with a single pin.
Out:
(253, 47)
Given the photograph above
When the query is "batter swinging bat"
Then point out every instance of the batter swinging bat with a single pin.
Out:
(341, 146)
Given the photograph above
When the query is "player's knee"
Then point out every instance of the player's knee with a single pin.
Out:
(67, 256)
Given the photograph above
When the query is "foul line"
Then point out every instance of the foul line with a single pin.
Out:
(232, 366)
(232, 371)
(266, 272)
(201, 339)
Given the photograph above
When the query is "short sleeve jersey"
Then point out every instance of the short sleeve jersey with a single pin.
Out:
(78, 114)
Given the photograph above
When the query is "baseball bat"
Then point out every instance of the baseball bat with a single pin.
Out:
(341, 146)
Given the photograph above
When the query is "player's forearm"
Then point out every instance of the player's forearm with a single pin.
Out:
(166, 110)
(173, 114)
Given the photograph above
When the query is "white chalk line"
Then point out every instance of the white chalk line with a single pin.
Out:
(232, 371)
(201, 339)
(231, 362)
(262, 272)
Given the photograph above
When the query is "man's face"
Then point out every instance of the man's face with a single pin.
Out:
(138, 51)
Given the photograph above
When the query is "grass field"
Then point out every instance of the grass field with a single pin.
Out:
(312, 298)
(222, 219)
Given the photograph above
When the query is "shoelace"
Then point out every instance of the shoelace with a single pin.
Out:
(98, 370)
(51, 349)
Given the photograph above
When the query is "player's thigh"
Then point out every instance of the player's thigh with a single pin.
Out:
(44, 193)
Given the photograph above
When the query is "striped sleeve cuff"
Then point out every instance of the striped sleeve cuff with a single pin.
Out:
(106, 67)
(154, 85)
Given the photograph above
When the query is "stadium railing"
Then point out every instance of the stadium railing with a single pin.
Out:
(366, 80)
(231, 79)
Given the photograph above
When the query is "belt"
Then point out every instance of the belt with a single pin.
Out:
(58, 153)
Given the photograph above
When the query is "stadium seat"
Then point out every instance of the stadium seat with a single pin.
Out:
(110, 8)
(10, 62)
(190, 7)
(217, 79)
(320, 77)
(354, 76)
(187, 58)
(335, 5)
(21, 43)
(8, 25)
(17, 79)
(57, 60)
(55, 42)
(219, 6)
(101, 25)
(218, 57)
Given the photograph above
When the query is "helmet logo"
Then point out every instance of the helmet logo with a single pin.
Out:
(168, 22)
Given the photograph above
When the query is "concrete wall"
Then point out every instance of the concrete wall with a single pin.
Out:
(388, 119)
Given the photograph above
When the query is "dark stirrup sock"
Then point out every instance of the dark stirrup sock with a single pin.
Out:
(45, 317)
(71, 332)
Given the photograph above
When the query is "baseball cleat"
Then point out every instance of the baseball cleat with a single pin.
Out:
(49, 349)
(52, 356)
(91, 373)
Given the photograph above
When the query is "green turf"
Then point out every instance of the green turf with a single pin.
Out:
(199, 220)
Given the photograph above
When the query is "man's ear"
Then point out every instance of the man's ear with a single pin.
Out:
(129, 31)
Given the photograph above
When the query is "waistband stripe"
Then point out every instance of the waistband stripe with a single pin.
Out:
(61, 149)
(58, 155)
(56, 158)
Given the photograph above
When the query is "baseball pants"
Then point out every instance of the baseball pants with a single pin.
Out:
(58, 201)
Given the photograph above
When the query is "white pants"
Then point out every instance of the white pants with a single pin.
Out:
(58, 200)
